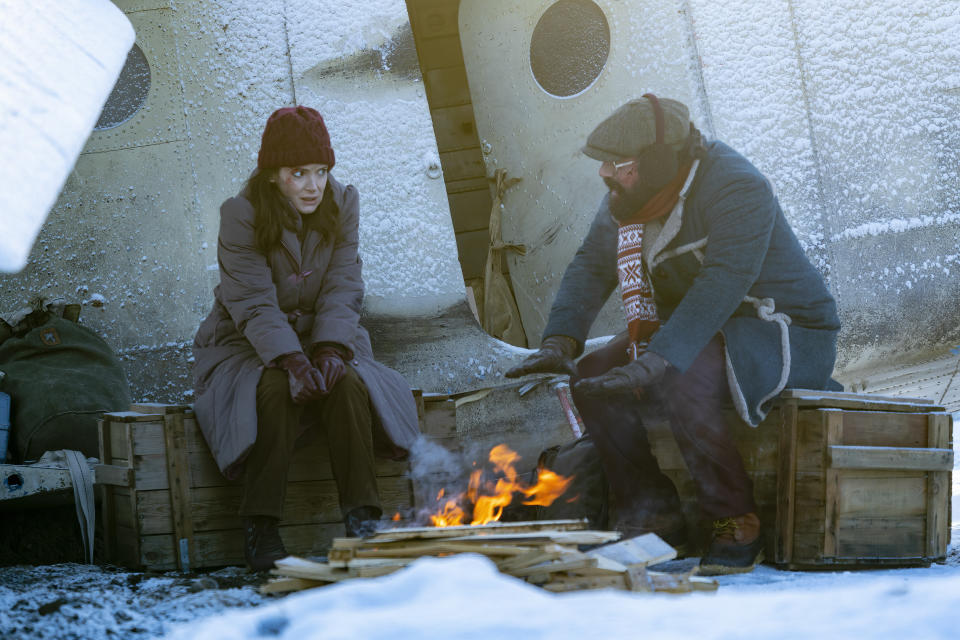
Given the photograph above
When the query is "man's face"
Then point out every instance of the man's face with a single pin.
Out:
(628, 193)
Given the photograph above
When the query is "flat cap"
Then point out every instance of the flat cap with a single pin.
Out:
(634, 126)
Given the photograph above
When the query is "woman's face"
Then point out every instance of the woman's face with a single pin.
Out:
(302, 186)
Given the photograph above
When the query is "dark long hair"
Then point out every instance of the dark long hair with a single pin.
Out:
(273, 213)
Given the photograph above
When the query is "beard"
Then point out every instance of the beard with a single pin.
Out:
(626, 202)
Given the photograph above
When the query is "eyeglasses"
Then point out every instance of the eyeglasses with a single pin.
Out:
(620, 165)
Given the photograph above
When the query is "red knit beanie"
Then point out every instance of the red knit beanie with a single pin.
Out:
(295, 136)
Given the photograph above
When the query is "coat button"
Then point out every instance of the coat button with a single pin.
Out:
(355, 362)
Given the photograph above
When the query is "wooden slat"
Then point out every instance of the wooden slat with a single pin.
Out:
(440, 419)
(107, 504)
(786, 483)
(865, 402)
(895, 458)
(864, 538)
(882, 494)
(411, 533)
(472, 249)
(306, 502)
(884, 429)
(940, 427)
(121, 476)
(223, 548)
(178, 474)
(833, 433)
(824, 398)
(127, 449)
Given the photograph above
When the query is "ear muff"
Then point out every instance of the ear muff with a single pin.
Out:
(657, 163)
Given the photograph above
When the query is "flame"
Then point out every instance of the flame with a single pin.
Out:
(489, 499)
(396, 517)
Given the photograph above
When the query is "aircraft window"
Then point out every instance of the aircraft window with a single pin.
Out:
(129, 93)
(569, 47)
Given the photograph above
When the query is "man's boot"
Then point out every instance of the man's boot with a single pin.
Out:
(736, 546)
(262, 545)
(362, 521)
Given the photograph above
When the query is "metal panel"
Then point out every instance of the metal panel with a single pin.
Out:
(161, 117)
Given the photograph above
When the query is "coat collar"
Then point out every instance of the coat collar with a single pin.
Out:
(671, 227)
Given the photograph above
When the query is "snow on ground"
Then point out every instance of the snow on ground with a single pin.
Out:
(465, 597)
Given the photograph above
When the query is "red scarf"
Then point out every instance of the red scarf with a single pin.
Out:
(642, 320)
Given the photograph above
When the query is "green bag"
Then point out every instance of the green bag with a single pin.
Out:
(61, 377)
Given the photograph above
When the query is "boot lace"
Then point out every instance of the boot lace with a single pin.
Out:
(725, 529)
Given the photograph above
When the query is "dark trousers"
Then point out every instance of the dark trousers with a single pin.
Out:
(693, 403)
(345, 416)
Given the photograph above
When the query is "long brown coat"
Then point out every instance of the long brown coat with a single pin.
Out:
(265, 307)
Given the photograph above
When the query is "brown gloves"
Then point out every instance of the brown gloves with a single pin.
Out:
(648, 369)
(555, 355)
(329, 360)
(306, 381)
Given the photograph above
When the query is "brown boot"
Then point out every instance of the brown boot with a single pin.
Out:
(736, 546)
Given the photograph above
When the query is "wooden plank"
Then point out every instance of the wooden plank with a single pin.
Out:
(538, 556)
(895, 458)
(864, 538)
(560, 537)
(107, 504)
(647, 549)
(117, 475)
(412, 533)
(407, 549)
(440, 418)
(939, 430)
(225, 548)
(586, 583)
(872, 404)
(786, 483)
(882, 494)
(131, 416)
(277, 586)
(833, 433)
(178, 474)
(886, 429)
(159, 408)
(824, 398)
(126, 449)
(311, 501)
(572, 563)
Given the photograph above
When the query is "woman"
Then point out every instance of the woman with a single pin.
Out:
(283, 350)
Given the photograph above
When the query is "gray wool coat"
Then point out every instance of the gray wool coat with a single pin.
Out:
(725, 260)
(267, 306)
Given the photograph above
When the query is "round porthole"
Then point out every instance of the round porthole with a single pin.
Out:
(569, 47)
(130, 92)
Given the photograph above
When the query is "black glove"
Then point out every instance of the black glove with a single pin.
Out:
(330, 362)
(648, 369)
(555, 355)
(306, 381)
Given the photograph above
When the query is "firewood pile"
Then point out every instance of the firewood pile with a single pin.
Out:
(544, 553)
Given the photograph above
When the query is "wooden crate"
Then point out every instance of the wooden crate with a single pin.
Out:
(841, 479)
(165, 504)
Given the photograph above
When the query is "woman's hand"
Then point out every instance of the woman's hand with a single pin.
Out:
(306, 381)
(329, 361)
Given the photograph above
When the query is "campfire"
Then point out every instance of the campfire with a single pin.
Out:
(557, 555)
(486, 499)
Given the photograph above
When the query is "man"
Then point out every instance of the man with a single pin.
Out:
(722, 306)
